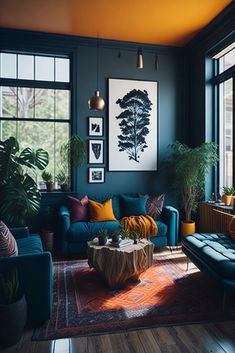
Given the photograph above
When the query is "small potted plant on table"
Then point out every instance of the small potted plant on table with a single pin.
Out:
(13, 309)
(103, 236)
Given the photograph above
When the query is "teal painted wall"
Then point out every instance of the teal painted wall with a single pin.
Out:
(83, 51)
(170, 98)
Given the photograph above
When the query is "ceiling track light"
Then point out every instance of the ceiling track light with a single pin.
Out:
(96, 102)
(140, 63)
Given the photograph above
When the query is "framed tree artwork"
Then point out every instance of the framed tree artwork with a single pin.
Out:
(133, 125)
(95, 126)
(96, 151)
(96, 175)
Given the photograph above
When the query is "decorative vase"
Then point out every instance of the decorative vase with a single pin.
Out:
(103, 240)
(13, 319)
(187, 227)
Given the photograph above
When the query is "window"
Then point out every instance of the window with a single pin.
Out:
(35, 96)
(224, 83)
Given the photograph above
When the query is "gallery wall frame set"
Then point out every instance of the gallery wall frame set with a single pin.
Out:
(96, 175)
(95, 126)
(133, 125)
(96, 151)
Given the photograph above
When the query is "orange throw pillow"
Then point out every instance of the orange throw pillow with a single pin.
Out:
(231, 228)
(101, 212)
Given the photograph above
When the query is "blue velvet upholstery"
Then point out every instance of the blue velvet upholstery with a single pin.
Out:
(35, 272)
(72, 238)
(213, 253)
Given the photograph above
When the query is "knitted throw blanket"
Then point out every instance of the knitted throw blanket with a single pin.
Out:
(145, 225)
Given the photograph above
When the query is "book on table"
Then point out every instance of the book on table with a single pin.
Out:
(121, 243)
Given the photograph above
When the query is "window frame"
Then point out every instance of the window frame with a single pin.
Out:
(54, 85)
(216, 80)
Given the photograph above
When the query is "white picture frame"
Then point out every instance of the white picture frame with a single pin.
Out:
(134, 150)
(96, 126)
(96, 175)
(96, 151)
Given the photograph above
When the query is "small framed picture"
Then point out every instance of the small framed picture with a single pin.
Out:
(96, 127)
(96, 175)
(96, 151)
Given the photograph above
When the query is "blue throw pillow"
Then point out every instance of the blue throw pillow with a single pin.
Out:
(132, 206)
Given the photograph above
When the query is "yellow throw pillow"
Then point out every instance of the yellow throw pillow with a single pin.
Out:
(231, 228)
(101, 212)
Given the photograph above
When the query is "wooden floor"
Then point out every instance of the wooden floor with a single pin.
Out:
(206, 338)
(197, 338)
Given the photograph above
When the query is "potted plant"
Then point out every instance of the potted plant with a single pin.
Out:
(13, 309)
(72, 154)
(188, 169)
(48, 178)
(20, 197)
(124, 233)
(103, 236)
(116, 236)
(63, 180)
(227, 196)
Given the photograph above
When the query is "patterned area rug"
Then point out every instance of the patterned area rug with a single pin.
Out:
(166, 294)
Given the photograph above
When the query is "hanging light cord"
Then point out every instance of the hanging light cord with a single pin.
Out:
(97, 57)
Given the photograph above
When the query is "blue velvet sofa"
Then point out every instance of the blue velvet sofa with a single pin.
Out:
(35, 272)
(213, 253)
(72, 238)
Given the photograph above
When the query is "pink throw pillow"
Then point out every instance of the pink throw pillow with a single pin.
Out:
(78, 209)
(8, 245)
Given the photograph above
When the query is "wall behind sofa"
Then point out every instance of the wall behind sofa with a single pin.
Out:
(83, 51)
(170, 99)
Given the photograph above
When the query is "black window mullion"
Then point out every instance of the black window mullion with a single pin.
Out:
(233, 103)
(35, 84)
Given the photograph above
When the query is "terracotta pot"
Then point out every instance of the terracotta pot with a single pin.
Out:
(232, 201)
(227, 199)
(187, 227)
(50, 186)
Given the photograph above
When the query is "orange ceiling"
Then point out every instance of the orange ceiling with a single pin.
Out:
(166, 22)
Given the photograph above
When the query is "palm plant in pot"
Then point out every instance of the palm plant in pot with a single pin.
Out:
(188, 169)
(20, 197)
(13, 309)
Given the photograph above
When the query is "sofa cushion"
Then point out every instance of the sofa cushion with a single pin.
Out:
(78, 209)
(85, 231)
(132, 206)
(154, 205)
(101, 212)
(8, 245)
(30, 245)
(216, 249)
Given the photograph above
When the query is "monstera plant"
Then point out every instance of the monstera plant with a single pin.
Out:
(20, 197)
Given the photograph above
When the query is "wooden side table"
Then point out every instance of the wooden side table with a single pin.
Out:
(119, 265)
(214, 218)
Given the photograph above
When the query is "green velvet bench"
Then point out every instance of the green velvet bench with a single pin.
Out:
(213, 253)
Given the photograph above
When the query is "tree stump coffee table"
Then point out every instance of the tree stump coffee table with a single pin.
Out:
(119, 265)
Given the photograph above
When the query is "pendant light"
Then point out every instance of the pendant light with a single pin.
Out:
(140, 63)
(96, 102)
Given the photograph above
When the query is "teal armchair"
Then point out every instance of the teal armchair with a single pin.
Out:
(35, 272)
